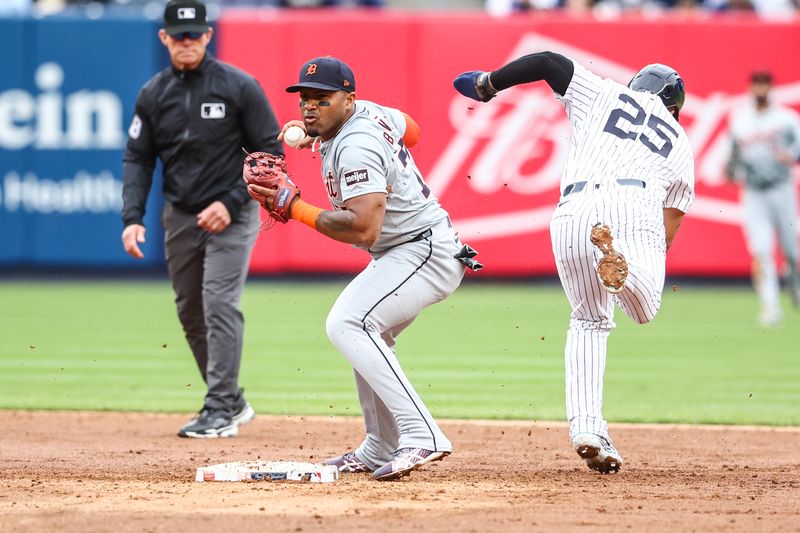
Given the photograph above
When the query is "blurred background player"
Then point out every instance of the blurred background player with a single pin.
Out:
(192, 117)
(628, 181)
(382, 205)
(765, 146)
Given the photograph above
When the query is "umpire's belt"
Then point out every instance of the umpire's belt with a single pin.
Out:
(578, 186)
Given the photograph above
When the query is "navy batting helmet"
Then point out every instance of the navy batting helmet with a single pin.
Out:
(661, 80)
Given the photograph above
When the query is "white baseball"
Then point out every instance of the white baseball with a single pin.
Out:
(294, 135)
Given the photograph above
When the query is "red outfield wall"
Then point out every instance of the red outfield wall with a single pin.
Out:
(496, 166)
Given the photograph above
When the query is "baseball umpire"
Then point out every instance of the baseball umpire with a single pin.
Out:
(196, 116)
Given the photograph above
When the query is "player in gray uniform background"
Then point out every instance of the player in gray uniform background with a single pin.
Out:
(380, 204)
(765, 145)
(628, 181)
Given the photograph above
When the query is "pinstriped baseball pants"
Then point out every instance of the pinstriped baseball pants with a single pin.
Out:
(636, 223)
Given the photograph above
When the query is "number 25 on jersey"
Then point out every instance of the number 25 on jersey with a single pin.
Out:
(654, 136)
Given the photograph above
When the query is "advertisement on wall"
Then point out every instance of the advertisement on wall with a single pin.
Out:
(64, 112)
(496, 167)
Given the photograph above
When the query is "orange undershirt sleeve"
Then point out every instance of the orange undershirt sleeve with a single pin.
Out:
(305, 213)
(412, 134)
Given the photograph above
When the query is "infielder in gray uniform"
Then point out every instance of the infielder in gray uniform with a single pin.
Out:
(765, 145)
(382, 205)
(628, 181)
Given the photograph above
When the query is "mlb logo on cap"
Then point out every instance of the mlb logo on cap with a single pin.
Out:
(186, 13)
(185, 16)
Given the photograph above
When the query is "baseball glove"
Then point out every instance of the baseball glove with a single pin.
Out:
(612, 268)
(269, 171)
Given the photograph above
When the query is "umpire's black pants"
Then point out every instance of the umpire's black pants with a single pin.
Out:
(208, 272)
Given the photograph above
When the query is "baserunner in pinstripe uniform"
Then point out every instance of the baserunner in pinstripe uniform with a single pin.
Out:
(627, 183)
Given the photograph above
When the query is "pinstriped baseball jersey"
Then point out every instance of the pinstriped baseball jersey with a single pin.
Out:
(618, 133)
(629, 159)
(367, 155)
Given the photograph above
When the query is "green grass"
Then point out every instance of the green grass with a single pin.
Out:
(490, 351)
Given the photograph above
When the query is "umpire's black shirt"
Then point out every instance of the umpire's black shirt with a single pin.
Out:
(197, 123)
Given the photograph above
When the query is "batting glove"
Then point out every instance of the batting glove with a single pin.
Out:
(475, 84)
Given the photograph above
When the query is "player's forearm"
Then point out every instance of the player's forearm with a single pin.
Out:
(344, 226)
(731, 168)
(672, 222)
(554, 68)
(137, 180)
(347, 226)
(794, 150)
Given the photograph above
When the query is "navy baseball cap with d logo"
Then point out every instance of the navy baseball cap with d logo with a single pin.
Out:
(185, 15)
(325, 73)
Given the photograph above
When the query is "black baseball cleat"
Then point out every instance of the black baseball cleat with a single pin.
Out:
(244, 414)
(210, 424)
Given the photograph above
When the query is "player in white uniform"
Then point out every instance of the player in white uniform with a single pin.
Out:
(628, 181)
(381, 204)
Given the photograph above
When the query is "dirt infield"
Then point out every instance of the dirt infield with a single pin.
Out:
(128, 472)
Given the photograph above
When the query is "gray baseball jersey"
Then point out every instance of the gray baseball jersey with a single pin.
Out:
(757, 138)
(367, 155)
(628, 160)
(412, 267)
(769, 200)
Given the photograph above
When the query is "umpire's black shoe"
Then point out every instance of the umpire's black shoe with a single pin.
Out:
(243, 414)
(210, 424)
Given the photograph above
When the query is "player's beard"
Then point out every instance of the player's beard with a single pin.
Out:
(761, 101)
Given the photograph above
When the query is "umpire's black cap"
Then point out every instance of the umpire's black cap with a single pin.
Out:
(185, 15)
(326, 73)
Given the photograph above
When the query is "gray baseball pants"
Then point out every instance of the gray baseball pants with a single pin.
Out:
(208, 272)
(374, 308)
(767, 212)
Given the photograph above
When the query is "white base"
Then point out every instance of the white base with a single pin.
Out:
(268, 471)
